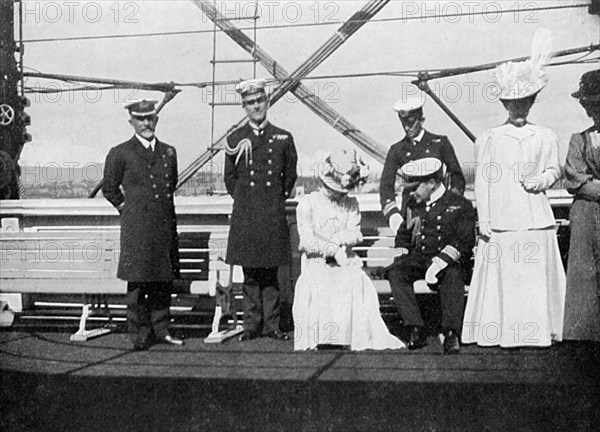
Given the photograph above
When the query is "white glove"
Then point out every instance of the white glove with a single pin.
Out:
(395, 222)
(485, 230)
(436, 266)
(531, 184)
(398, 252)
(341, 257)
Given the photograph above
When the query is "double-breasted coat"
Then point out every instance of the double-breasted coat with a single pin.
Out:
(444, 229)
(260, 172)
(141, 185)
(404, 151)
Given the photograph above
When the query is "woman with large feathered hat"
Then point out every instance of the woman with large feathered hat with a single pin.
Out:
(517, 291)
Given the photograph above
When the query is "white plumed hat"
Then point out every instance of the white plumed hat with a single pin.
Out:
(522, 79)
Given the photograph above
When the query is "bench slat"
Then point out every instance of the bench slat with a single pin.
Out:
(59, 274)
(77, 262)
(64, 285)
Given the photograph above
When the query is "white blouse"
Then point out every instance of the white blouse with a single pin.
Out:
(506, 156)
(325, 224)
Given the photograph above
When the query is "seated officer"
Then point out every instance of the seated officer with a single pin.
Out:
(434, 242)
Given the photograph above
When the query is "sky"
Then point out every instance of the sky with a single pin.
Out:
(78, 128)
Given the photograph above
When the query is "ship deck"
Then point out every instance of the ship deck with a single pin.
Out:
(52, 384)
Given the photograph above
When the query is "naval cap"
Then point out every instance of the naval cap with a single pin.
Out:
(252, 86)
(421, 170)
(143, 107)
(410, 102)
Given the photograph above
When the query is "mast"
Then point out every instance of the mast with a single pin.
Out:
(291, 82)
(9, 73)
(13, 119)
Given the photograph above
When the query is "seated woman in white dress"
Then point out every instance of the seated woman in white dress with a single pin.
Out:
(335, 302)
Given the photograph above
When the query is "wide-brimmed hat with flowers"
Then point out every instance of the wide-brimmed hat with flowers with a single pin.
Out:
(518, 80)
(343, 171)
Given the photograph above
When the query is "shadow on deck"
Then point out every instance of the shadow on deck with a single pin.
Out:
(51, 384)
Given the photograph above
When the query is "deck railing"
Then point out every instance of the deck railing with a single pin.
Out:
(207, 215)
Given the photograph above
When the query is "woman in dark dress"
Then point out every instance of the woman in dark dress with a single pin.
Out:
(582, 169)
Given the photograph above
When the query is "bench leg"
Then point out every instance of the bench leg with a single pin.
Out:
(222, 336)
(7, 315)
(234, 310)
(82, 334)
(217, 336)
(217, 319)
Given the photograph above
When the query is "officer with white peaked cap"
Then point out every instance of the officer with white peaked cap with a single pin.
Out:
(417, 143)
(409, 102)
(260, 172)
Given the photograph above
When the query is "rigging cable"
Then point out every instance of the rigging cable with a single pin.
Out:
(314, 24)
(433, 74)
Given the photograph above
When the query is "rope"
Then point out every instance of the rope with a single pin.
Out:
(433, 74)
(48, 91)
(314, 24)
(291, 82)
(164, 87)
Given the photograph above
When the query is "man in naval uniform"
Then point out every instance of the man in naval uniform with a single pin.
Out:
(417, 143)
(260, 172)
(435, 242)
(140, 176)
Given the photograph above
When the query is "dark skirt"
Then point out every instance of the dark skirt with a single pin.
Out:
(582, 303)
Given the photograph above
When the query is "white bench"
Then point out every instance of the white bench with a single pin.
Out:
(376, 250)
(84, 261)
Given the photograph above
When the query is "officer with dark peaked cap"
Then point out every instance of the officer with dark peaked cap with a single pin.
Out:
(435, 242)
(140, 176)
(417, 143)
(260, 172)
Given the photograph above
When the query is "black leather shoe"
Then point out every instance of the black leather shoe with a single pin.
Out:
(168, 339)
(248, 336)
(451, 342)
(141, 342)
(417, 338)
(277, 335)
(141, 346)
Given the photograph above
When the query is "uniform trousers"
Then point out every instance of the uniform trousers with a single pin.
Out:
(261, 299)
(148, 310)
(412, 267)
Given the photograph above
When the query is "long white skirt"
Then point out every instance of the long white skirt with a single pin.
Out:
(338, 306)
(517, 293)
